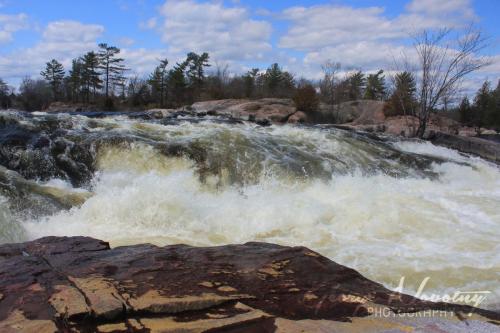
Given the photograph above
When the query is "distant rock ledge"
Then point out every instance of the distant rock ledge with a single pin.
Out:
(79, 284)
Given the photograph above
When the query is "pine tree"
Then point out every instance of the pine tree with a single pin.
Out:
(177, 84)
(483, 106)
(249, 80)
(495, 115)
(5, 101)
(75, 79)
(465, 111)
(196, 71)
(375, 86)
(356, 84)
(158, 81)
(91, 75)
(273, 79)
(54, 75)
(402, 100)
(113, 68)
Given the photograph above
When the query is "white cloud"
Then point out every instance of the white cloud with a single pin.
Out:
(366, 37)
(462, 8)
(126, 41)
(61, 40)
(149, 24)
(71, 31)
(324, 26)
(227, 33)
(9, 24)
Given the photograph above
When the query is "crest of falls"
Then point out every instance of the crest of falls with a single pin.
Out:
(387, 208)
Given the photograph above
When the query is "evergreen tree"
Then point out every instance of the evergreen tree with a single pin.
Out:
(403, 100)
(75, 80)
(356, 85)
(287, 86)
(196, 71)
(158, 82)
(375, 86)
(273, 79)
(177, 84)
(484, 105)
(495, 115)
(5, 101)
(54, 75)
(249, 80)
(112, 66)
(91, 75)
(278, 83)
(465, 111)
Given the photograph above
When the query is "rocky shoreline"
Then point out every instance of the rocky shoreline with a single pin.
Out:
(79, 284)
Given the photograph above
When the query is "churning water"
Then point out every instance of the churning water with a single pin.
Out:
(386, 208)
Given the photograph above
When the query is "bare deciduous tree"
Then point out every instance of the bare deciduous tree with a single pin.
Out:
(329, 82)
(442, 64)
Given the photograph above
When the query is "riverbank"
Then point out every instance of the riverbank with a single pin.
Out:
(79, 284)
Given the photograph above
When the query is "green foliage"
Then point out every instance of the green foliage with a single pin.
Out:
(75, 80)
(375, 86)
(112, 67)
(177, 84)
(91, 79)
(54, 75)
(356, 85)
(306, 98)
(5, 100)
(485, 107)
(249, 80)
(402, 100)
(466, 112)
(196, 65)
(277, 82)
(158, 82)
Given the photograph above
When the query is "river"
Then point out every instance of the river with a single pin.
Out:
(387, 208)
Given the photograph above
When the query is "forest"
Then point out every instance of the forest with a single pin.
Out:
(100, 78)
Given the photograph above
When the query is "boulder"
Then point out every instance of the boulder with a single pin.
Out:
(159, 113)
(361, 112)
(56, 107)
(274, 110)
(487, 149)
(79, 284)
(297, 117)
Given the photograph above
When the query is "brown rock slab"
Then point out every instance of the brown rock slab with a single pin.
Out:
(105, 300)
(68, 302)
(16, 322)
(153, 302)
(79, 284)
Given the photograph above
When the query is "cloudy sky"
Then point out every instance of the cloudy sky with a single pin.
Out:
(300, 35)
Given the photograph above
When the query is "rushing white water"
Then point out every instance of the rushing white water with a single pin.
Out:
(284, 185)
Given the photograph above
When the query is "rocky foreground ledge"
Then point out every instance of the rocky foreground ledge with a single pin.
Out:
(79, 284)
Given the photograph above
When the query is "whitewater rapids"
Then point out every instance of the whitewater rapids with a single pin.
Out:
(344, 196)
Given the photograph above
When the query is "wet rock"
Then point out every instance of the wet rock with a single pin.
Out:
(263, 111)
(80, 284)
(40, 149)
(487, 149)
(297, 117)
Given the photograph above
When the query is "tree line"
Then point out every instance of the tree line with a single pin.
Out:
(100, 78)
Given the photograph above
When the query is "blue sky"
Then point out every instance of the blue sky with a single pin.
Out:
(300, 35)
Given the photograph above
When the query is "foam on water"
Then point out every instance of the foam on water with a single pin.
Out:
(361, 202)
(384, 226)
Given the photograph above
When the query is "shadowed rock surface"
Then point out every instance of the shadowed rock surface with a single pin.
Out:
(487, 149)
(79, 284)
